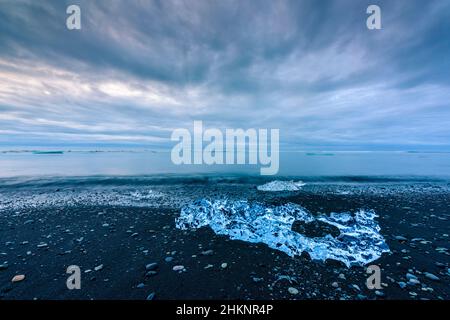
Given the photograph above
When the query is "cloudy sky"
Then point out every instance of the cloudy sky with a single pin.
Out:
(139, 69)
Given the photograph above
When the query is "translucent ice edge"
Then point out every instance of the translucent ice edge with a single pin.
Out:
(358, 243)
(281, 186)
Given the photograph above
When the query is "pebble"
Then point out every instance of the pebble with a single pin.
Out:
(3, 266)
(207, 253)
(256, 280)
(431, 276)
(178, 268)
(342, 276)
(410, 276)
(18, 278)
(151, 266)
(42, 245)
(168, 259)
(413, 281)
(208, 266)
(379, 293)
(151, 296)
(401, 284)
(224, 265)
(140, 285)
(292, 290)
(335, 285)
(98, 268)
(427, 289)
(151, 273)
(400, 238)
(356, 287)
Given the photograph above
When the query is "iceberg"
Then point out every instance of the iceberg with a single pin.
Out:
(281, 186)
(358, 243)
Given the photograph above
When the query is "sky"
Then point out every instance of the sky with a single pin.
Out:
(137, 70)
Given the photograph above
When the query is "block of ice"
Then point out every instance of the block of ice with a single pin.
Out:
(358, 243)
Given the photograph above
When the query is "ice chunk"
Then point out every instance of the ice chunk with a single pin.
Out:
(148, 195)
(358, 243)
(281, 186)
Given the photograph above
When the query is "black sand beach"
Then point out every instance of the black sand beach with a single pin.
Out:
(129, 252)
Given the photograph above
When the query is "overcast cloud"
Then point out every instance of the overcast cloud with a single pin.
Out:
(139, 69)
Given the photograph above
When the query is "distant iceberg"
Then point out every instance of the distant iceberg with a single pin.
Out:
(48, 152)
(281, 186)
(358, 243)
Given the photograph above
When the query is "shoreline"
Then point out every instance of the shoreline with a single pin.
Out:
(41, 243)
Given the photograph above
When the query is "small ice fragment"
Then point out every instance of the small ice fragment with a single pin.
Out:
(281, 186)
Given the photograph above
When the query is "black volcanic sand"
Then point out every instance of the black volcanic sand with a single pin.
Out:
(125, 239)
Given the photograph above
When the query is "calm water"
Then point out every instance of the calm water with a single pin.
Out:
(304, 164)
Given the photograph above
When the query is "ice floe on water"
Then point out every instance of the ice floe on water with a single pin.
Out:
(281, 186)
(358, 243)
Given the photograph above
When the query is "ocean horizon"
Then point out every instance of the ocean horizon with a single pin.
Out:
(305, 164)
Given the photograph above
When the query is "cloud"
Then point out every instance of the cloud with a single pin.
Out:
(137, 70)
